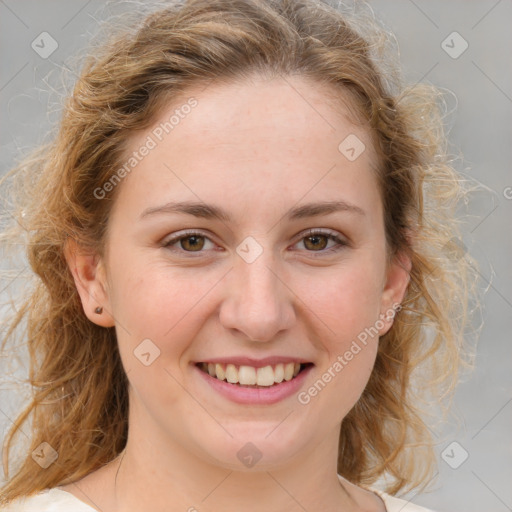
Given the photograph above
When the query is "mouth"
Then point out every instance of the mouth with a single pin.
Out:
(252, 377)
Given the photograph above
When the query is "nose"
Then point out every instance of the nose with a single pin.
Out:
(259, 301)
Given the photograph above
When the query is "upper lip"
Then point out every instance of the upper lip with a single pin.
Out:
(256, 363)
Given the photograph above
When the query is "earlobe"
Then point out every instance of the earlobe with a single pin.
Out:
(88, 273)
(398, 278)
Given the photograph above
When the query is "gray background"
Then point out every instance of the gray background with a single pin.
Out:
(481, 80)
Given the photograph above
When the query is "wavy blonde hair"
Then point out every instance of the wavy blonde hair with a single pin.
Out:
(79, 400)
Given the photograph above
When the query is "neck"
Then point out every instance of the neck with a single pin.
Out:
(159, 472)
(157, 475)
(157, 481)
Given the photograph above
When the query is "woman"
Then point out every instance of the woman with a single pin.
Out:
(245, 246)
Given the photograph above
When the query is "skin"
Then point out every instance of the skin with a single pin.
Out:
(256, 148)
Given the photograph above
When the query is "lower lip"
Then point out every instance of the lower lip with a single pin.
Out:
(266, 395)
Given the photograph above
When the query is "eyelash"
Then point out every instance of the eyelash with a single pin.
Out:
(331, 235)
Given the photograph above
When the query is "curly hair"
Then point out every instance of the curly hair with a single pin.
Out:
(79, 402)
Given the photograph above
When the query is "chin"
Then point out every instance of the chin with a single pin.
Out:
(253, 447)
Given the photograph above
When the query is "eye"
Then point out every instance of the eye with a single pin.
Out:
(316, 240)
(190, 241)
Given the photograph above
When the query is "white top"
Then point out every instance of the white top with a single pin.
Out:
(57, 500)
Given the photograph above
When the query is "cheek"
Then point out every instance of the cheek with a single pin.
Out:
(160, 304)
(346, 303)
(346, 299)
(158, 312)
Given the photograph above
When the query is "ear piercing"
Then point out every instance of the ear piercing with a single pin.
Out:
(98, 310)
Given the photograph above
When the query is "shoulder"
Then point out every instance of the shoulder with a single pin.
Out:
(57, 500)
(398, 505)
(49, 500)
(392, 504)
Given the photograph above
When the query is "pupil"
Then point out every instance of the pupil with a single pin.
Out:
(315, 238)
(195, 243)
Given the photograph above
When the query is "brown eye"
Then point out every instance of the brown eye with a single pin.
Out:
(316, 242)
(188, 243)
(192, 243)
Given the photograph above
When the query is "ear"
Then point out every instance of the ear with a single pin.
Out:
(90, 280)
(397, 280)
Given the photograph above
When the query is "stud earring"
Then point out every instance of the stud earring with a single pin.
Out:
(98, 310)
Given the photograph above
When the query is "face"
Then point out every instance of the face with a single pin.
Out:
(252, 275)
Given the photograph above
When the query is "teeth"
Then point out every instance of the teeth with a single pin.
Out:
(247, 375)
(250, 376)
(219, 370)
(288, 371)
(265, 376)
(279, 372)
(231, 374)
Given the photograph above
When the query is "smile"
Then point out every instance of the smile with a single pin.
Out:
(250, 376)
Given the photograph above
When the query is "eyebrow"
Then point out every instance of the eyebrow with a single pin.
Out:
(208, 211)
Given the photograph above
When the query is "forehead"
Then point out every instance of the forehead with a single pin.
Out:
(291, 106)
(285, 135)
